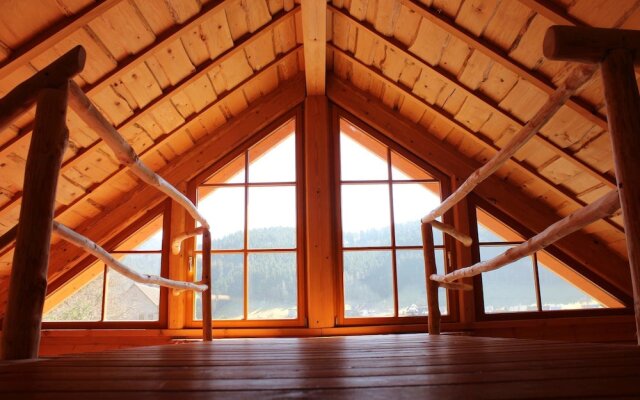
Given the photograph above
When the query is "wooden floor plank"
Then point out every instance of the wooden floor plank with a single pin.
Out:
(371, 367)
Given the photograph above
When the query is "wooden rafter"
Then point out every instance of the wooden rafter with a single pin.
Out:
(501, 57)
(29, 51)
(314, 32)
(550, 11)
(167, 95)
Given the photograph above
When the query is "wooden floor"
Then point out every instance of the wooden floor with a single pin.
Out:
(371, 367)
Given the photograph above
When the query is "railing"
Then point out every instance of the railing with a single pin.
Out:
(53, 91)
(558, 42)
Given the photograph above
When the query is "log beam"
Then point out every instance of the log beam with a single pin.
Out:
(56, 74)
(589, 45)
(314, 33)
(617, 51)
(28, 283)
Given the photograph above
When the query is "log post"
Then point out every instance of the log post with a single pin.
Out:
(432, 287)
(207, 333)
(617, 51)
(623, 109)
(28, 284)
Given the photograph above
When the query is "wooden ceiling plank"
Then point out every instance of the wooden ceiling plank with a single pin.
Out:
(26, 53)
(594, 255)
(551, 12)
(404, 51)
(499, 56)
(155, 105)
(474, 137)
(314, 33)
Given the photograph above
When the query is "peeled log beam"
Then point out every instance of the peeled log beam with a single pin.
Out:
(176, 245)
(55, 75)
(451, 231)
(95, 250)
(579, 76)
(82, 105)
(587, 44)
(623, 107)
(603, 207)
(455, 286)
(28, 282)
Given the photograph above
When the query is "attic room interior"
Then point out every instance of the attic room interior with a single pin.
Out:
(415, 197)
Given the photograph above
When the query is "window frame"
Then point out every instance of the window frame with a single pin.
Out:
(448, 245)
(301, 321)
(477, 202)
(163, 209)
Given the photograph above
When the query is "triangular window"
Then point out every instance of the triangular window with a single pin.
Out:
(86, 297)
(539, 282)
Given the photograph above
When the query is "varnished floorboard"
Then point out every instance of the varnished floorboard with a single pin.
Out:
(368, 367)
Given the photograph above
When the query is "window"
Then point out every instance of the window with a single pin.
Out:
(251, 204)
(382, 198)
(100, 294)
(539, 282)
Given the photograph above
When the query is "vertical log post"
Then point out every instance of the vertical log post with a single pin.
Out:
(432, 287)
(28, 284)
(207, 333)
(617, 50)
(623, 109)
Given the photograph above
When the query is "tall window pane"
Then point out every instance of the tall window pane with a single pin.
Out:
(368, 284)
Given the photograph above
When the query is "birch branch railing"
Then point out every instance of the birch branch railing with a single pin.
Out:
(54, 90)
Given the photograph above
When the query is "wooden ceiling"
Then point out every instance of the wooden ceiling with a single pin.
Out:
(170, 73)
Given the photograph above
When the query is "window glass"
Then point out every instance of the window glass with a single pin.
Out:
(368, 284)
(411, 202)
(223, 207)
(83, 304)
(272, 217)
(370, 225)
(557, 293)
(273, 290)
(508, 289)
(274, 159)
(358, 162)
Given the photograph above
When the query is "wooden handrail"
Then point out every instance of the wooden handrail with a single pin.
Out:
(207, 314)
(54, 75)
(85, 109)
(603, 207)
(433, 307)
(94, 249)
(579, 76)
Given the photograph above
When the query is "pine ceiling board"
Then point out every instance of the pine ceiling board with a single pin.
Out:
(386, 16)
(125, 95)
(284, 36)
(182, 103)
(566, 127)
(476, 70)
(524, 100)
(257, 13)
(275, 6)
(449, 7)
(99, 60)
(156, 13)
(429, 86)
(8, 134)
(587, 138)
(600, 13)
(358, 8)
(70, 7)
(532, 155)
(167, 117)
(500, 81)
(216, 34)
(598, 154)
(454, 55)
(495, 127)
(505, 26)
(181, 141)
(175, 62)
(210, 120)
(195, 47)
(528, 52)
(299, 33)
(261, 51)
(136, 137)
(236, 19)
(473, 114)
(389, 61)
(411, 109)
(122, 30)
(406, 26)
(182, 10)
(474, 15)
(10, 81)
(429, 43)
(113, 107)
(234, 104)
(391, 97)
(409, 74)
(158, 73)
(451, 99)
(580, 183)
(167, 152)
(263, 84)
(366, 45)
(200, 93)
(20, 20)
(149, 125)
(234, 70)
(142, 84)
